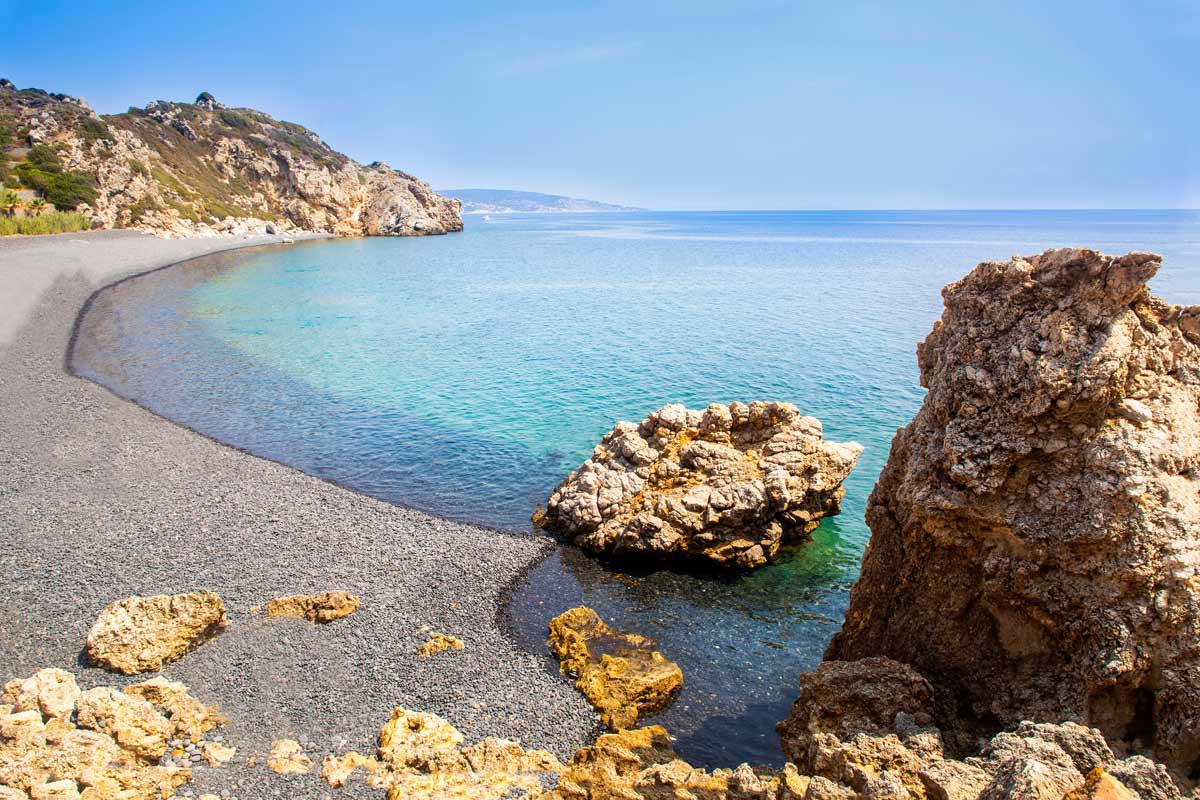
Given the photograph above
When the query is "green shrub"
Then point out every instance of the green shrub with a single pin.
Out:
(93, 130)
(65, 190)
(138, 168)
(46, 223)
(235, 120)
(44, 158)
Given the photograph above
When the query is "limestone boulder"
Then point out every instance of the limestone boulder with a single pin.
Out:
(140, 634)
(621, 674)
(50, 692)
(727, 486)
(189, 718)
(133, 723)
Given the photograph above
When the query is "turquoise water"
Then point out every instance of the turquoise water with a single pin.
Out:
(465, 375)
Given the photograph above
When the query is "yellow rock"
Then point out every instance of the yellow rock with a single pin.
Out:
(1099, 785)
(9, 793)
(23, 729)
(189, 717)
(287, 759)
(58, 790)
(336, 770)
(619, 673)
(139, 634)
(52, 692)
(132, 722)
(437, 643)
(217, 754)
(325, 607)
(416, 741)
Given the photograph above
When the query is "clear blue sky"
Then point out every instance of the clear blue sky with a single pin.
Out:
(681, 105)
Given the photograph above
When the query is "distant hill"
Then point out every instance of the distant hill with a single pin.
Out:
(507, 201)
(192, 168)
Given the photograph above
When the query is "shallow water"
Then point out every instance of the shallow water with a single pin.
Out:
(465, 375)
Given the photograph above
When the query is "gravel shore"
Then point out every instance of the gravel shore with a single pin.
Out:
(100, 499)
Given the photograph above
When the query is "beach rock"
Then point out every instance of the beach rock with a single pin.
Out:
(336, 770)
(50, 692)
(620, 674)
(287, 758)
(1099, 785)
(217, 754)
(189, 718)
(438, 642)
(1033, 549)
(133, 723)
(418, 741)
(317, 608)
(139, 634)
(952, 780)
(728, 485)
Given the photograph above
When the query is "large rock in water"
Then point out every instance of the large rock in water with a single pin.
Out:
(727, 485)
(1036, 532)
(139, 634)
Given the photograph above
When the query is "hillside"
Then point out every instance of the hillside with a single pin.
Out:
(197, 168)
(507, 201)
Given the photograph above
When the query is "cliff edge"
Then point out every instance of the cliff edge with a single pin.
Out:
(1036, 532)
(196, 168)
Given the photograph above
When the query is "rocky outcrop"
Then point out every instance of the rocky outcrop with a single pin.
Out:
(183, 169)
(1034, 547)
(316, 608)
(139, 634)
(728, 485)
(621, 674)
(865, 728)
(58, 742)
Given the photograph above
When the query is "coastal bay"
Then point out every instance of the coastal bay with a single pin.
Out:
(100, 499)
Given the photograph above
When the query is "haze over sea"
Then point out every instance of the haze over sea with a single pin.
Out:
(465, 375)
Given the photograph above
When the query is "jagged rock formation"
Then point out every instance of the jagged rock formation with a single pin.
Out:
(139, 634)
(866, 728)
(621, 674)
(58, 742)
(202, 168)
(316, 608)
(727, 486)
(1035, 545)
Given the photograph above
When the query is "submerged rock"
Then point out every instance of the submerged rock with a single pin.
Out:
(1034, 546)
(621, 674)
(318, 608)
(728, 485)
(139, 634)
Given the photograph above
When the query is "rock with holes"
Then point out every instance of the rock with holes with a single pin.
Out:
(621, 674)
(139, 634)
(728, 485)
(1034, 545)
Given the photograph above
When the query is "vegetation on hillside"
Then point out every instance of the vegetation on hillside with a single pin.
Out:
(55, 222)
(42, 171)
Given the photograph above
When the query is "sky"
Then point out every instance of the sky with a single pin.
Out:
(681, 105)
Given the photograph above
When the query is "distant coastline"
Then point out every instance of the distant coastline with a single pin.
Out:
(510, 201)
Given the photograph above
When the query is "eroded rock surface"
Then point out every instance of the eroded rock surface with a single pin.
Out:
(139, 634)
(727, 485)
(1034, 547)
(317, 608)
(102, 744)
(621, 674)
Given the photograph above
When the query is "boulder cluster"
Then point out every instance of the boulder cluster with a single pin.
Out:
(726, 486)
(621, 674)
(1035, 535)
(60, 743)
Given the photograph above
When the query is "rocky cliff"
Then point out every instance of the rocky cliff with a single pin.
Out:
(1036, 533)
(188, 168)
